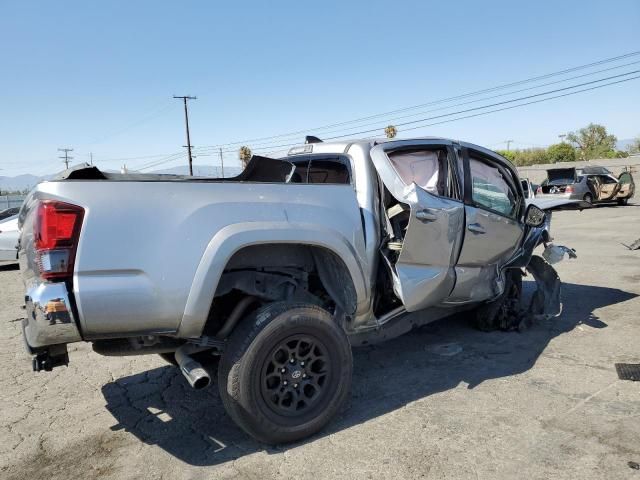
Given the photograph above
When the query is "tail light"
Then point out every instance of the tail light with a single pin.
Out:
(538, 190)
(56, 231)
(569, 189)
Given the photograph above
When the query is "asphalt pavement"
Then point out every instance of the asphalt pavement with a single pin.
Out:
(445, 401)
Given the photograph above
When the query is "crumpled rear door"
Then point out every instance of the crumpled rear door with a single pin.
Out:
(424, 271)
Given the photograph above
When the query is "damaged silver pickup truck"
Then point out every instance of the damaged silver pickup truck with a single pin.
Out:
(279, 271)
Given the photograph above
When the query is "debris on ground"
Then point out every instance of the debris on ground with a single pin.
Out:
(634, 246)
(555, 253)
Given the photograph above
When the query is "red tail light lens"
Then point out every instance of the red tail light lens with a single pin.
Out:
(538, 190)
(56, 231)
(569, 189)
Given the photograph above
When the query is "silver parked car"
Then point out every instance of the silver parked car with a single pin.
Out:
(281, 270)
(592, 184)
(9, 240)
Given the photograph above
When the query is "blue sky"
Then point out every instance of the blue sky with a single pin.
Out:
(99, 76)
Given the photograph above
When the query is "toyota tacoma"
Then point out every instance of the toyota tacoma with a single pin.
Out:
(278, 272)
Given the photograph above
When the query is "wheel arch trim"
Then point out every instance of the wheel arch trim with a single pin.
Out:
(233, 238)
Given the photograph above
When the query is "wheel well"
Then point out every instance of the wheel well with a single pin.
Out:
(276, 272)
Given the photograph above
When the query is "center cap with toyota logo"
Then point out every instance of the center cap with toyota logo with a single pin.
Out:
(296, 374)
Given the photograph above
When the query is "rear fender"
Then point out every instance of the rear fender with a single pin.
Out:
(232, 238)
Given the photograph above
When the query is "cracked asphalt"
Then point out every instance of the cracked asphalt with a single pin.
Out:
(446, 401)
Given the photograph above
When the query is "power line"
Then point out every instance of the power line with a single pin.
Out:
(272, 146)
(275, 147)
(141, 157)
(162, 161)
(444, 100)
(66, 157)
(389, 120)
(493, 104)
(154, 112)
(381, 124)
(525, 104)
(186, 121)
(477, 114)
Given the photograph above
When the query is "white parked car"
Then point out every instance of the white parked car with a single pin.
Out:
(9, 240)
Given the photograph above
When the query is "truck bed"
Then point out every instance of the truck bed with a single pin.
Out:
(143, 240)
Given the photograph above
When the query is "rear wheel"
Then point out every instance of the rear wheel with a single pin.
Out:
(623, 201)
(286, 372)
(588, 198)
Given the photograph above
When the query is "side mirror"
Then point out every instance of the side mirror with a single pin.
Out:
(534, 216)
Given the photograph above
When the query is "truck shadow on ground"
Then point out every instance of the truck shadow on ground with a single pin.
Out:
(159, 407)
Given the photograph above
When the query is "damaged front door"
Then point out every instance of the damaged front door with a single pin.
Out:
(608, 187)
(627, 186)
(424, 215)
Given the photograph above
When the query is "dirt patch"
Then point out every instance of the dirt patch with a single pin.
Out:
(93, 457)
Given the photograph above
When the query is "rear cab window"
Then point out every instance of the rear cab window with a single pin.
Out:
(329, 169)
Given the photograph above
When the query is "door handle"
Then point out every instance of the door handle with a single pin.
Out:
(476, 228)
(426, 215)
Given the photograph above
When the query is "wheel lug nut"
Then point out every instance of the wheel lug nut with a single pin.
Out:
(284, 370)
(292, 360)
(295, 385)
(304, 375)
(285, 383)
(302, 364)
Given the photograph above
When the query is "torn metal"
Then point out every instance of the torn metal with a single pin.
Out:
(555, 253)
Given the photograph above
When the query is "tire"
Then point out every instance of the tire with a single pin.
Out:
(269, 404)
(504, 312)
(623, 201)
(588, 198)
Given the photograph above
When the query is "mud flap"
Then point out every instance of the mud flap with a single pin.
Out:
(545, 302)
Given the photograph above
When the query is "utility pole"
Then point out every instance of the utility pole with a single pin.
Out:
(561, 137)
(509, 142)
(66, 157)
(221, 162)
(186, 121)
(91, 158)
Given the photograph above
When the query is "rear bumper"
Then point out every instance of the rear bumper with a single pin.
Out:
(560, 196)
(50, 320)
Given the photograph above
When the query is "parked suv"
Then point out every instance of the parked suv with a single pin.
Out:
(281, 270)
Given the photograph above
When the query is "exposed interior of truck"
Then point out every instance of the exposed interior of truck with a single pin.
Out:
(429, 170)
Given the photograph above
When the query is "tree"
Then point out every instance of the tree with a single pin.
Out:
(245, 155)
(530, 156)
(593, 141)
(391, 131)
(634, 146)
(508, 154)
(561, 152)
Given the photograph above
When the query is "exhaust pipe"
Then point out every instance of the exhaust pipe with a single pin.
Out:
(192, 370)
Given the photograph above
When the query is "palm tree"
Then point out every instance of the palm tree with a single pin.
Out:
(391, 131)
(245, 155)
